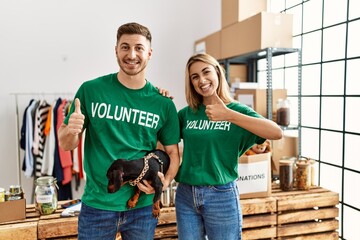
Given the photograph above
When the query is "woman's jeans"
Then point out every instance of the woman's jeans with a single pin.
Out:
(208, 211)
(135, 224)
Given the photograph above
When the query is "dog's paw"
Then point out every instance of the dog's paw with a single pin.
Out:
(156, 213)
(131, 203)
(156, 209)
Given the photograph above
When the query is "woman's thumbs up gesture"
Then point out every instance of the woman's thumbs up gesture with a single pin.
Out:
(216, 109)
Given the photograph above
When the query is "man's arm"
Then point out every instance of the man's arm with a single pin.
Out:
(173, 152)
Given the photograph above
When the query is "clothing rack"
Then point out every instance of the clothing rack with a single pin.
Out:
(17, 118)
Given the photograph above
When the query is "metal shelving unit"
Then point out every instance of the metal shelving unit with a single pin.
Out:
(251, 59)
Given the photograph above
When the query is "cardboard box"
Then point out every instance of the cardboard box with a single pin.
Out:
(256, 99)
(210, 44)
(237, 73)
(233, 11)
(260, 31)
(12, 210)
(254, 176)
(285, 147)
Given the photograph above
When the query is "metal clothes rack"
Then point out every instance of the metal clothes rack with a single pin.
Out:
(17, 118)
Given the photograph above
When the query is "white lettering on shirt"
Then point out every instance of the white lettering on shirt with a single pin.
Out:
(124, 114)
(208, 125)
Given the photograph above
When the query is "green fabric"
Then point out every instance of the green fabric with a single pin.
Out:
(212, 149)
(121, 123)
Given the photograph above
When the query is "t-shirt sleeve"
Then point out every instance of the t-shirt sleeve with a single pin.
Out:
(170, 132)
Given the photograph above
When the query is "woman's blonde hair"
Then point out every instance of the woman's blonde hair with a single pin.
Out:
(192, 97)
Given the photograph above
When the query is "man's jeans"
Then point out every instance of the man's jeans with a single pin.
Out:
(136, 224)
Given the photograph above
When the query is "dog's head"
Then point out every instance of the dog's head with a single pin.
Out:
(115, 175)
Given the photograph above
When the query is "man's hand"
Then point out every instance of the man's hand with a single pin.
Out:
(76, 120)
(148, 189)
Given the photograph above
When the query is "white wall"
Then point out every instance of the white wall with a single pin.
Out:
(52, 46)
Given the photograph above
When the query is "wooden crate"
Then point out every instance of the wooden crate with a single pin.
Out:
(259, 218)
(315, 236)
(307, 214)
(166, 228)
(22, 229)
(289, 215)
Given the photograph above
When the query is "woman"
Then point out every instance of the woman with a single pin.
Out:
(216, 130)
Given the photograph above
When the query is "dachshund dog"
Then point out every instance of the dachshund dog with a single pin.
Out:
(122, 171)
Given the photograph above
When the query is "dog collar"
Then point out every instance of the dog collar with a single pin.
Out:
(159, 161)
(146, 168)
(142, 174)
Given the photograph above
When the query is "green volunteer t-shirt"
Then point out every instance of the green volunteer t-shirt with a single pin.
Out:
(121, 123)
(212, 148)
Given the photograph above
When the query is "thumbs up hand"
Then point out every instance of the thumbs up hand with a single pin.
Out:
(216, 110)
(76, 120)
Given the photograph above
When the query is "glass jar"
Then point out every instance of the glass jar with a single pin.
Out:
(46, 195)
(16, 192)
(283, 112)
(286, 175)
(312, 167)
(303, 175)
(2, 194)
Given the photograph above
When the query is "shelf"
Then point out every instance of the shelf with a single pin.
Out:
(260, 54)
(290, 127)
(251, 60)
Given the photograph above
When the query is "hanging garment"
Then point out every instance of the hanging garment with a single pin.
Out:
(39, 135)
(47, 167)
(29, 134)
(65, 156)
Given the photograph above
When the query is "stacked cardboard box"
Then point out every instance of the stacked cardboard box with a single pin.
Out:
(247, 27)
(256, 98)
(260, 31)
(233, 11)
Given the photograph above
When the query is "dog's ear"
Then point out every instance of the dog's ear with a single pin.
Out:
(118, 178)
(115, 178)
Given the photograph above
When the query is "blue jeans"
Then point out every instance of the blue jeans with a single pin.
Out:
(135, 224)
(208, 212)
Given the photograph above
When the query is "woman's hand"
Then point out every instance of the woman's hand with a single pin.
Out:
(165, 93)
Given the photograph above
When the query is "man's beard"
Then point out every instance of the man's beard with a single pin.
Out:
(132, 73)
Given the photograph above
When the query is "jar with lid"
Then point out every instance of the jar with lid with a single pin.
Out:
(46, 195)
(312, 167)
(286, 175)
(283, 112)
(303, 175)
(2, 194)
(15, 193)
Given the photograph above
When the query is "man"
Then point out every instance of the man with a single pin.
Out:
(124, 116)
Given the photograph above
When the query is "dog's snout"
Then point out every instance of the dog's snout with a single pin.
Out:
(111, 188)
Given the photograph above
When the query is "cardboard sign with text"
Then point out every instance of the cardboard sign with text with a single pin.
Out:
(254, 176)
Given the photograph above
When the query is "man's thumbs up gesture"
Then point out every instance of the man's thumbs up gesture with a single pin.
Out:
(76, 120)
(216, 110)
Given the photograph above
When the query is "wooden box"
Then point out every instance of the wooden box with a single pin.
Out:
(259, 218)
(24, 229)
(307, 214)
